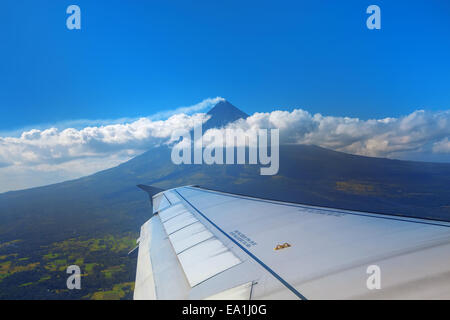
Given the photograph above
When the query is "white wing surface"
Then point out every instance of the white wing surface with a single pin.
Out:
(204, 244)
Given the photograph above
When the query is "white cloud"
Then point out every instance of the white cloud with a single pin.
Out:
(51, 146)
(389, 137)
(188, 110)
(442, 146)
(42, 156)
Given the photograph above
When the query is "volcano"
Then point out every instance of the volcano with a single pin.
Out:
(222, 114)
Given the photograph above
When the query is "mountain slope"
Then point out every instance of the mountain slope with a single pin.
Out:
(93, 221)
(222, 114)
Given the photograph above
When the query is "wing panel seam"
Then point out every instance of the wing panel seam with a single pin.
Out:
(273, 273)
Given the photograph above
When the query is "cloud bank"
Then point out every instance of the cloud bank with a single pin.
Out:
(43, 156)
(418, 132)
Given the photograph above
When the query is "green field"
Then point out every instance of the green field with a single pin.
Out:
(107, 270)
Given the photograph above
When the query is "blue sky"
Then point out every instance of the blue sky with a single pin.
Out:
(135, 58)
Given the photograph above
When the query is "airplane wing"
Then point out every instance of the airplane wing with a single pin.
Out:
(205, 244)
